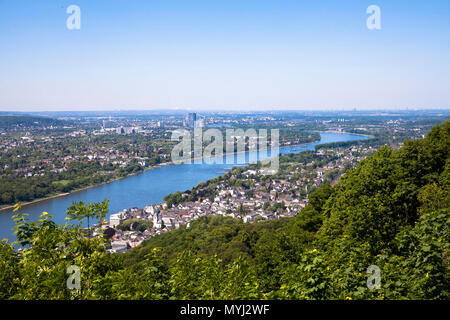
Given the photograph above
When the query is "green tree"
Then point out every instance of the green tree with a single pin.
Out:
(91, 211)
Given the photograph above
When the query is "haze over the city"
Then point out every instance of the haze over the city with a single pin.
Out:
(233, 55)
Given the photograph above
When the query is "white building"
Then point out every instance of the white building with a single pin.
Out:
(117, 218)
(157, 221)
(119, 246)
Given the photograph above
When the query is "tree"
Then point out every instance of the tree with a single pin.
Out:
(80, 211)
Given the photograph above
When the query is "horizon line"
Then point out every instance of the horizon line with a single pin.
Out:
(268, 109)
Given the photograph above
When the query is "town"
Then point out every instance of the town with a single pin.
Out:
(242, 193)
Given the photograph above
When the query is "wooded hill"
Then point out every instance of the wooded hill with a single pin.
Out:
(13, 122)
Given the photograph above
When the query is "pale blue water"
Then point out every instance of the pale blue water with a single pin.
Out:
(146, 188)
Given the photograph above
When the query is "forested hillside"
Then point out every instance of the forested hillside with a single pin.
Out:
(14, 122)
(392, 211)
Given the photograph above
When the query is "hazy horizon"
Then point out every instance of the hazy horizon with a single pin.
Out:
(248, 110)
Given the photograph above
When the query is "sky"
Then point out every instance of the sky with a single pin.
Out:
(224, 54)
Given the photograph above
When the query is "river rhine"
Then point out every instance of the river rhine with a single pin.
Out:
(148, 187)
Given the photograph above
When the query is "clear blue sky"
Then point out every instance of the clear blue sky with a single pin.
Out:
(228, 54)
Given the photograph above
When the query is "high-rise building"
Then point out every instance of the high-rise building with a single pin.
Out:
(190, 119)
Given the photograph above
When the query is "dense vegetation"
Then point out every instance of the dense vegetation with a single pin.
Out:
(392, 211)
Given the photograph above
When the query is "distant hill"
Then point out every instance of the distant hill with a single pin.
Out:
(9, 122)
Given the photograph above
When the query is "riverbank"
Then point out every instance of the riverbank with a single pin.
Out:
(346, 132)
(11, 207)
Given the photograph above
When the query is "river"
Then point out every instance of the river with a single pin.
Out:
(148, 187)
